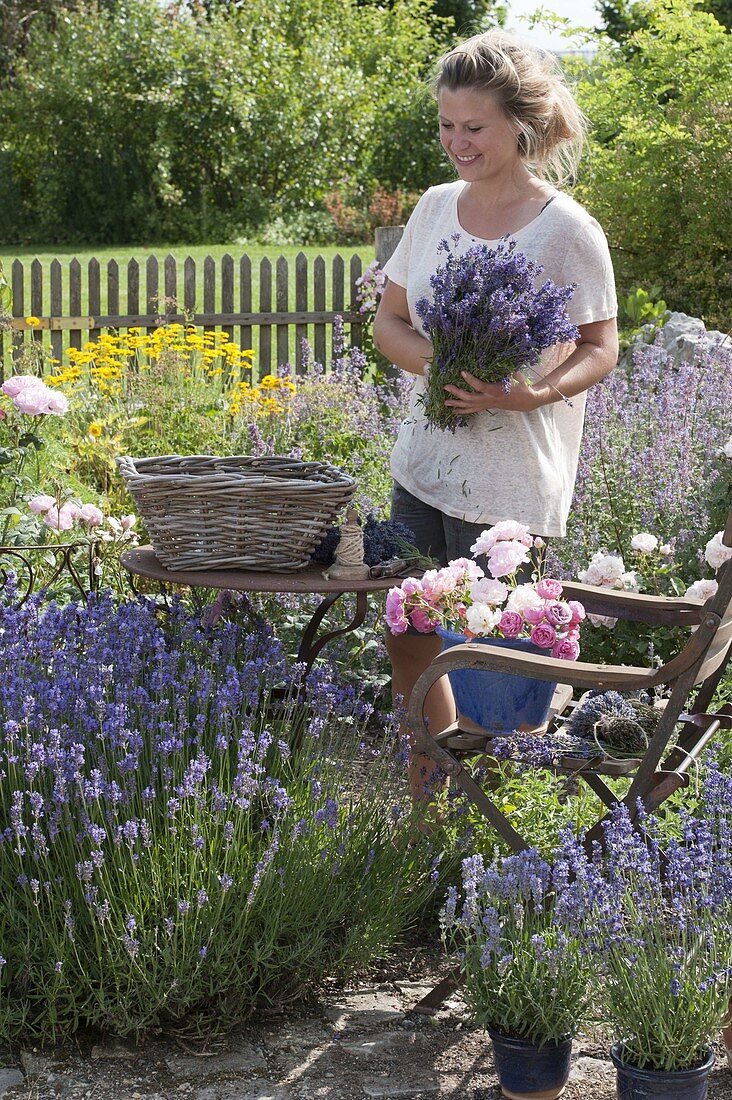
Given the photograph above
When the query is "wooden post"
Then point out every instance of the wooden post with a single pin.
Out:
(387, 237)
(75, 301)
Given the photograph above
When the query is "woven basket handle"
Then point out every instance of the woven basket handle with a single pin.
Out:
(126, 466)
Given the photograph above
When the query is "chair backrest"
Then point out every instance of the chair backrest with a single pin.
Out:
(713, 648)
(720, 604)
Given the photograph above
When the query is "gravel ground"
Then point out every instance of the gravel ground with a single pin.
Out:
(355, 1042)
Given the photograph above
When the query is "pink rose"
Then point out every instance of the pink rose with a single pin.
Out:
(505, 531)
(41, 503)
(505, 557)
(511, 624)
(566, 649)
(558, 613)
(422, 621)
(60, 519)
(57, 404)
(19, 382)
(409, 586)
(33, 401)
(91, 515)
(577, 609)
(128, 522)
(544, 636)
(534, 615)
(549, 589)
(33, 397)
(394, 615)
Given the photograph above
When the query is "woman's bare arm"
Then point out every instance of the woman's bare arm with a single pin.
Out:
(394, 335)
(593, 358)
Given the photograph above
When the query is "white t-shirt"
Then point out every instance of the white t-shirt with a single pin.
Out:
(502, 465)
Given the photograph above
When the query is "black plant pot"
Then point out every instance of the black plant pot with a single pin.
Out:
(528, 1071)
(660, 1084)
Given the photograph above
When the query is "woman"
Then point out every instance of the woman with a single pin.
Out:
(509, 125)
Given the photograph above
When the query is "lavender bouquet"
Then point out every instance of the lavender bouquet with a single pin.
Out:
(486, 317)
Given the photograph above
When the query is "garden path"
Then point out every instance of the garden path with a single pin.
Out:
(349, 1044)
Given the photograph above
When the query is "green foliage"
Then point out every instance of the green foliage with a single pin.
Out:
(196, 128)
(659, 173)
(622, 18)
(640, 308)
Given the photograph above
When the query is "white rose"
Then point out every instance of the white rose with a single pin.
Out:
(701, 590)
(523, 596)
(591, 575)
(716, 552)
(612, 567)
(482, 619)
(727, 449)
(629, 582)
(602, 620)
(488, 591)
(644, 542)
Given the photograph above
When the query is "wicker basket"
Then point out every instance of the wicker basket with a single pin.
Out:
(266, 514)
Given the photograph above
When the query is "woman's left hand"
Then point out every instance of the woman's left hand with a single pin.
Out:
(484, 396)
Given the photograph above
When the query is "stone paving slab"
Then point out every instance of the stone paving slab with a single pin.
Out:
(358, 1045)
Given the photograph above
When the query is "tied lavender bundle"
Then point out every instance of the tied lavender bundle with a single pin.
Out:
(486, 317)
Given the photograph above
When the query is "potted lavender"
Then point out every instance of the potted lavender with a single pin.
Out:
(525, 966)
(487, 317)
(665, 930)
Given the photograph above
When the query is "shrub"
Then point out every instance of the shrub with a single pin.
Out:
(659, 173)
(188, 135)
(169, 852)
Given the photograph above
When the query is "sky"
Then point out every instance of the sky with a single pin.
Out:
(579, 12)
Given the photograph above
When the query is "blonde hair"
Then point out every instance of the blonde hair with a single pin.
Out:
(532, 91)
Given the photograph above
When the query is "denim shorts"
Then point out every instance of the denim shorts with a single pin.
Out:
(442, 537)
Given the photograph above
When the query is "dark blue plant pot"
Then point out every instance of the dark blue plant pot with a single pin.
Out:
(499, 701)
(660, 1084)
(525, 1070)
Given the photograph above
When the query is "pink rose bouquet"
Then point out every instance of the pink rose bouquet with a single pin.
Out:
(461, 597)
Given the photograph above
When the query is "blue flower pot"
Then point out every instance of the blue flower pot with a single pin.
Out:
(528, 1071)
(660, 1084)
(499, 701)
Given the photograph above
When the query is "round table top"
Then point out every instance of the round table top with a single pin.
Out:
(143, 562)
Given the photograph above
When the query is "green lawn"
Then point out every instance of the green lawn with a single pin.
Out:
(198, 253)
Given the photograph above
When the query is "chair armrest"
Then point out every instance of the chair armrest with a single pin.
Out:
(635, 606)
(580, 674)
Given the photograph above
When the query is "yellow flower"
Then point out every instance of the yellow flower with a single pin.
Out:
(33, 320)
(95, 429)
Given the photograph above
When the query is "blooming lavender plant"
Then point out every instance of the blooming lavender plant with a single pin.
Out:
(663, 923)
(521, 934)
(487, 317)
(161, 840)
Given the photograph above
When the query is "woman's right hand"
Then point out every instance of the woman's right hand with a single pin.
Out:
(394, 335)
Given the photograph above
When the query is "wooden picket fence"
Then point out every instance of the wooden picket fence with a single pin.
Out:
(210, 295)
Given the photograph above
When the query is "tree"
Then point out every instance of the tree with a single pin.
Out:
(659, 173)
(622, 18)
(145, 123)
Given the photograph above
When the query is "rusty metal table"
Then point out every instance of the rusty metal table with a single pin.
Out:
(142, 562)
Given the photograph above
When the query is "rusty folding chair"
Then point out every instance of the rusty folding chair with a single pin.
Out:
(679, 738)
